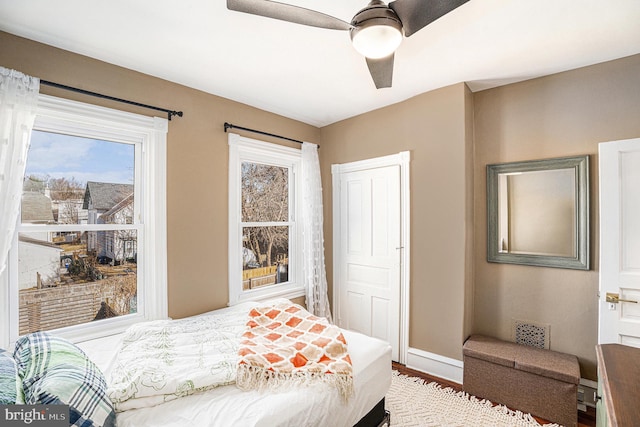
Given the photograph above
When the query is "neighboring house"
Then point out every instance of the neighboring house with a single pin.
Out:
(39, 263)
(39, 259)
(36, 208)
(70, 211)
(109, 203)
(65, 208)
(120, 245)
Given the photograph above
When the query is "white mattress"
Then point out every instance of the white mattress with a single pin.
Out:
(316, 405)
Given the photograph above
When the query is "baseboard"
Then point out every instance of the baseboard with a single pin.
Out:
(435, 364)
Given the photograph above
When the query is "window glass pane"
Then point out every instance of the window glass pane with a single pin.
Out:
(265, 193)
(75, 180)
(73, 277)
(265, 256)
(69, 278)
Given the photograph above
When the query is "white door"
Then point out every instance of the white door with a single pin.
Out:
(368, 287)
(619, 322)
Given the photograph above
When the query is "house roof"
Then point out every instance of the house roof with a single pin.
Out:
(127, 201)
(105, 312)
(33, 184)
(36, 207)
(27, 239)
(105, 195)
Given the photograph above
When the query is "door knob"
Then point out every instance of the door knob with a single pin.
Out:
(615, 298)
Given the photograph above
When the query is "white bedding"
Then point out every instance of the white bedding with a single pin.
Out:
(315, 405)
(168, 359)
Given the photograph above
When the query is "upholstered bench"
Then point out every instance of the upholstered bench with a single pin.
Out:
(541, 382)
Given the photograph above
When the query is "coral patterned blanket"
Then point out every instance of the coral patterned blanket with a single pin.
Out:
(284, 344)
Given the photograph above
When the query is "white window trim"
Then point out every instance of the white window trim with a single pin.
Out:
(149, 134)
(247, 149)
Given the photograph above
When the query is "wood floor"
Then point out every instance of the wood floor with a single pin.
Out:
(585, 419)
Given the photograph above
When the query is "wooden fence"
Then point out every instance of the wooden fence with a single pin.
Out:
(67, 305)
(257, 277)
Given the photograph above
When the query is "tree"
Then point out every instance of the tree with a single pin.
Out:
(124, 245)
(265, 199)
(65, 189)
(84, 268)
(68, 193)
(124, 288)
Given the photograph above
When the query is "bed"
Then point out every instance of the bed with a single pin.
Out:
(317, 404)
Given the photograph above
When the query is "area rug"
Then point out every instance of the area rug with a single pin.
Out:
(412, 403)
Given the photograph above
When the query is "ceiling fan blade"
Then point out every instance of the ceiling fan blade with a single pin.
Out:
(417, 14)
(381, 71)
(289, 13)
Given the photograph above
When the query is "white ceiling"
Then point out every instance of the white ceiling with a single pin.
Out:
(314, 75)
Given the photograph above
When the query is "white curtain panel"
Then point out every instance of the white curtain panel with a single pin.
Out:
(315, 275)
(18, 103)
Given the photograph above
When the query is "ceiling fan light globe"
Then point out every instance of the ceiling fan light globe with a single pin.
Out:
(376, 41)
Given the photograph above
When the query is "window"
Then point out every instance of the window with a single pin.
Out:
(264, 235)
(90, 245)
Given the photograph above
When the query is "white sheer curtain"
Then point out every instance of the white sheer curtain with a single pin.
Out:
(18, 102)
(315, 275)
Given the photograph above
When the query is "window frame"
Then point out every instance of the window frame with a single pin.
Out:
(242, 149)
(148, 135)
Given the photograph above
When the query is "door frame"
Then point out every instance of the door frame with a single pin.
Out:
(610, 195)
(402, 160)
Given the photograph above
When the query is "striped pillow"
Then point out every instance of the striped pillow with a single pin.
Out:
(55, 371)
(10, 384)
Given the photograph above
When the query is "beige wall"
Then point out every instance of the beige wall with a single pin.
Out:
(561, 115)
(197, 156)
(451, 133)
(433, 127)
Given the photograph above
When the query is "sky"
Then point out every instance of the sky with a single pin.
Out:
(57, 156)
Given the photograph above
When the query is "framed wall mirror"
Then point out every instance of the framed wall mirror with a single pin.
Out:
(538, 213)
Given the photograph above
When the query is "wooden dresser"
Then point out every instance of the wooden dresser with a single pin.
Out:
(618, 385)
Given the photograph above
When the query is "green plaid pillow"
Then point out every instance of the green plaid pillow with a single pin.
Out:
(55, 371)
(10, 384)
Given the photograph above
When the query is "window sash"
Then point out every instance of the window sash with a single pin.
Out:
(268, 224)
(241, 150)
(149, 220)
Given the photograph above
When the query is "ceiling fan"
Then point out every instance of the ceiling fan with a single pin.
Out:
(376, 31)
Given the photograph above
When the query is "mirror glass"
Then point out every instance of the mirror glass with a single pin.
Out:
(538, 212)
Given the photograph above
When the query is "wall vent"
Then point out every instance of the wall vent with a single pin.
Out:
(530, 333)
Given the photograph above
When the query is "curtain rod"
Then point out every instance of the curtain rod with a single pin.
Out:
(170, 113)
(228, 126)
